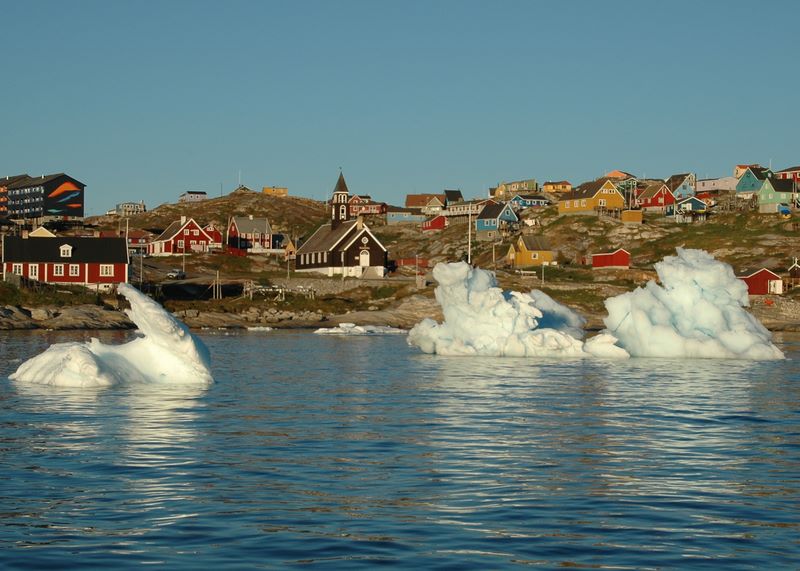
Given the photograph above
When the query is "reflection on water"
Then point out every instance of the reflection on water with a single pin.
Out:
(358, 451)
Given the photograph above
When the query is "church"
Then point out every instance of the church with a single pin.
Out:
(345, 246)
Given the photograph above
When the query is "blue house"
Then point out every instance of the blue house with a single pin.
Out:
(751, 180)
(522, 201)
(397, 215)
(494, 220)
(682, 185)
(690, 209)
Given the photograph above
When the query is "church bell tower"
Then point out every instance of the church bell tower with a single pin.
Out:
(340, 209)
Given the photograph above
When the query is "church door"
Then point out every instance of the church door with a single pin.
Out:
(363, 259)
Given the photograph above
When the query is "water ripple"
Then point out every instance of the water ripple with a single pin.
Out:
(372, 454)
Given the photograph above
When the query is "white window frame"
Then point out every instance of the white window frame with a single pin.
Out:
(74, 270)
(16, 269)
(106, 270)
(65, 251)
(58, 270)
(33, 271)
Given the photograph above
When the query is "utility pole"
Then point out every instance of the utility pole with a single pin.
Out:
(469, 235)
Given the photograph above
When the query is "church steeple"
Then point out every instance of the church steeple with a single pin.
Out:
(340, 209)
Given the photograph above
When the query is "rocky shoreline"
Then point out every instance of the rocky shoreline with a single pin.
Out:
(776, 314)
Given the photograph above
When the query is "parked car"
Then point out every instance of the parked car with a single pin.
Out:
(176, 274)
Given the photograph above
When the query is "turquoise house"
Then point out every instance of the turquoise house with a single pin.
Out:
(494, 220)
(751, 180)
(522, 201)
(397, 215)
(773, 192)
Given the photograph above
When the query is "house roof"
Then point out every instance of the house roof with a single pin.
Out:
(790, 169)
(8, 181)
(746, 273)
(422, 200)
(653, 189)
(325, 238)
(618, 174)
(558, 182)
(612, 253)
(534, 242)
(453, 195)
(781, 184)
(492, 210)
(28, 181)
(761, 173)
(98, 250)
(676, 180)
(587, 189)
(248, 225)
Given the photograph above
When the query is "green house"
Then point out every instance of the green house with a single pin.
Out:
(751, 180)
(774, 191)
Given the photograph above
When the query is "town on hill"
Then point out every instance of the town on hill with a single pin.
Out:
(354, 254)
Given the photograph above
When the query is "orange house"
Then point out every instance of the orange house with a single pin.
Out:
(592, 197)
(557, 186)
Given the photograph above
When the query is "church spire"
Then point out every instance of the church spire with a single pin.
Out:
(340, 209)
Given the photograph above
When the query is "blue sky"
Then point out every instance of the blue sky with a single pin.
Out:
(145, 100)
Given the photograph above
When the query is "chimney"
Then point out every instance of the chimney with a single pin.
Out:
(250, 216)
(359, 222)
(183, 219)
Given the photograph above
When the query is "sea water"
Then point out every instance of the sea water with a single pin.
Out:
(348, 452)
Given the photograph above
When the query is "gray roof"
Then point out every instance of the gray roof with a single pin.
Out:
(98, 250)
(491, 210)
(29, 181)
(246, 225)
(453, 196)
(652, 190)
(587, 189)
(782, 184)
(171, 230)
(324, 239)
(534, 243)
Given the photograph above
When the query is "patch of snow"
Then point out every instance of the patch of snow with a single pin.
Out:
(166, 352)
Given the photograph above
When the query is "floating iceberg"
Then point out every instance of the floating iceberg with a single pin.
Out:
(482, 319)
(353, 329)
(166, 352)
(697, 312)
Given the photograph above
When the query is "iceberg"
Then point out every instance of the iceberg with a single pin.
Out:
(166, 352)
(482, 319)
(697, 312)
(353, 329)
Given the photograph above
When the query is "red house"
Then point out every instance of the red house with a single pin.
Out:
(215, 233)
(435, 223)
(792, 173)
(180, 237)
(618, 259)
(763, 282)
(362, 204)
(656, 197)
(249, 234)
(92, 262)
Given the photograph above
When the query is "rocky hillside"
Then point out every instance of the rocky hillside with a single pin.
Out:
(289, 215)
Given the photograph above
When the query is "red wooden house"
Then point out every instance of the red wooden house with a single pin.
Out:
(763, 282)
(618, 259)
(92, 262)
(215, 234)
(362, 204)
(182, 236)
(249, 234)
(655, 198)
(435, 223)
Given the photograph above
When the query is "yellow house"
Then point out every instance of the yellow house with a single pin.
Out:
(530, 251)
(557, 186)
(592, 197)
(275, 191)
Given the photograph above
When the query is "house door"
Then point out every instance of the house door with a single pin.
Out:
(363, 258)
(775, 286)
(33, 271)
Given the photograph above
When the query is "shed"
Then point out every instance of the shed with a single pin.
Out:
(763, 282)
(618, 259)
